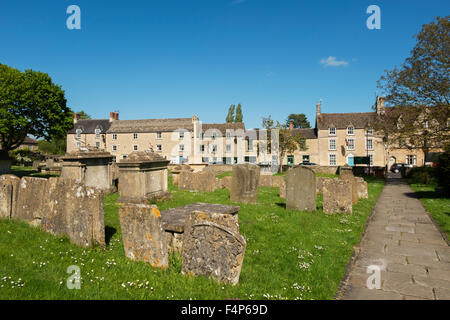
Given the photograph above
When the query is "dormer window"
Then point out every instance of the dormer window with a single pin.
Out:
(78, 132)
(332, 131)
(350, 130)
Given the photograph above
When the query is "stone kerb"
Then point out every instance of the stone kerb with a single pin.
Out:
(212, 244)
(143, 235)
(143, 176)
(301, 189)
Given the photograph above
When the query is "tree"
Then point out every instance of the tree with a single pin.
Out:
(289, 141)
(419, 92)
(83, 115)
(30, 103)
(239, 117)
(230, 116)
(298, 120)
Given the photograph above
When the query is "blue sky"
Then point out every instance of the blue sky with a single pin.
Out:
(153, 59)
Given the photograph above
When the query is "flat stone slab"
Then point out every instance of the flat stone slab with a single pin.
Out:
(174, 220)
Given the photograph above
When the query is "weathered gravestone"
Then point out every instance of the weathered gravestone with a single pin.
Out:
(9, 186)
(347, 174)
(301, 189)
(176, 172)
(30, 199)
(361, 188)
(319, 184)
(75, 210)
(244, 183)
(278, 181)
(204, 181)
(212, 244)
(337, 196)
(143, 176)
(226, 182)
(143, 235)
(265, 180)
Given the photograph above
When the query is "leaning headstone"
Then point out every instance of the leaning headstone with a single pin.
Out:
(186, 180)
(301, 189)
(204, 181)
(361, 188)
(30, 199)
(9, 185)
(244, 183)
(143, 235)
(337, 196)
(347, 174)
(212, 244)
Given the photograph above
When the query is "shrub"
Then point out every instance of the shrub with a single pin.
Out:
(443, 171)
(422, 175)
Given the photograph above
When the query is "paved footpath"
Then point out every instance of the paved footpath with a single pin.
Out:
(402, 240)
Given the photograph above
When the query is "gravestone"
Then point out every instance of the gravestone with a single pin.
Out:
(319, 184)
(143, 235)
(244, 183)
(361, 188)
(30, 199)
(9, 186)
(204, 181)
(347, 174)
(278, 181)
(301, 189)
(212, 244)
(337, 196)
(226, 182)
(265, 180)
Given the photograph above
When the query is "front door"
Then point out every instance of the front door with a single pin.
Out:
(350, 160)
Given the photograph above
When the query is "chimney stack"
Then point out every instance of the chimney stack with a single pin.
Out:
(291, 125)
(380, 105)
(76, 117)
(113, 116)
(318, 105)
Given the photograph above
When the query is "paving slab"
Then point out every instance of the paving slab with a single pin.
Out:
(403, 247)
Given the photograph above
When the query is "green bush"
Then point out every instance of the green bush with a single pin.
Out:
(24, 156)
(443, 171)
(423, 175)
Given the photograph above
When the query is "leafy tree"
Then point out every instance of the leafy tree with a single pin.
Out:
(419, 92)
(230, 116)
(289, 141)
(239, 117)
(83, 115)
(299, 120)
(30, 103)
(443, 171)
(56, 145)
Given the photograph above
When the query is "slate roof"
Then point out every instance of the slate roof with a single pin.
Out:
(359, 120)
(307, 133)
(223, 127)
(29, 140)
(89, 126)
(150, 125)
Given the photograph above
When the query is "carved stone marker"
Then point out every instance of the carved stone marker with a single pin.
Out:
(319, 184)
(143, 176)
(347, 174)
(212, 244)
(9, 186)
(301, 189)
(337, 196)
(361, 188)
(244, 183)
(30, 199)
(204, 181)
(143, 235)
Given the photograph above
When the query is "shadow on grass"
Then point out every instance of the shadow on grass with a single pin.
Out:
(280, 204)
(109, 232)
(425, 195)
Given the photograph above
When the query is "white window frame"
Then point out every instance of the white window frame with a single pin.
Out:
(135, 147)
(228, 147)
(135, 136)
(159, 135)
(97, 144)
(331, 130)
(371, 159)
(114, 148)
(370, 132)
(369, 146)
(351, 131)
(181, 134)
(329, 159)
(351, 147)
(78, 144)
(329, 144)
(181, 147)
(78, 133)
(114, 136)
(159, 148)
(202, 148)
(97, 133)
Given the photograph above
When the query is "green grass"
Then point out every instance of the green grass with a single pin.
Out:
(29, 172)
(435, 203)
(289, 255)
(225, 174)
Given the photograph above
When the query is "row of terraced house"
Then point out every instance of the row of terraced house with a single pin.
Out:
(336, 140)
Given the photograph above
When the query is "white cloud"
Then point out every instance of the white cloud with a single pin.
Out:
(332, 62)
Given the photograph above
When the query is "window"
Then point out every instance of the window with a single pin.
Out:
(371, 159)
(124, 156)
(97, 145)
(369, 132)
(305, 159)
(350, 144)
(114, 148)
(78, 144)
(181, 134)
(214, 160)
(135, 136)
(214, 147)
(290, 160)
(202, 147)
(181, 147)
(114, 136)
(97, 133)
(228, 134)
(205, 159)
(332, 131)
(228, 147)
(135, 147)
(411, 159)
(350, 130)
(159, 135)
(213, 136)
(250, 145)
(332, 144)
(332, 160)
(369, 144)
(78, 131)
(158, 147)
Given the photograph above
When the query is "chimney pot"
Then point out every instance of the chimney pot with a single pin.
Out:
(76, 117)
(318, 105)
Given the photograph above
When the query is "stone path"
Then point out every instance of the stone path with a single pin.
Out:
(401, 239)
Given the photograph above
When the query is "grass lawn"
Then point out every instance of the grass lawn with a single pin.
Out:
(289, 255)
(435, 203)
